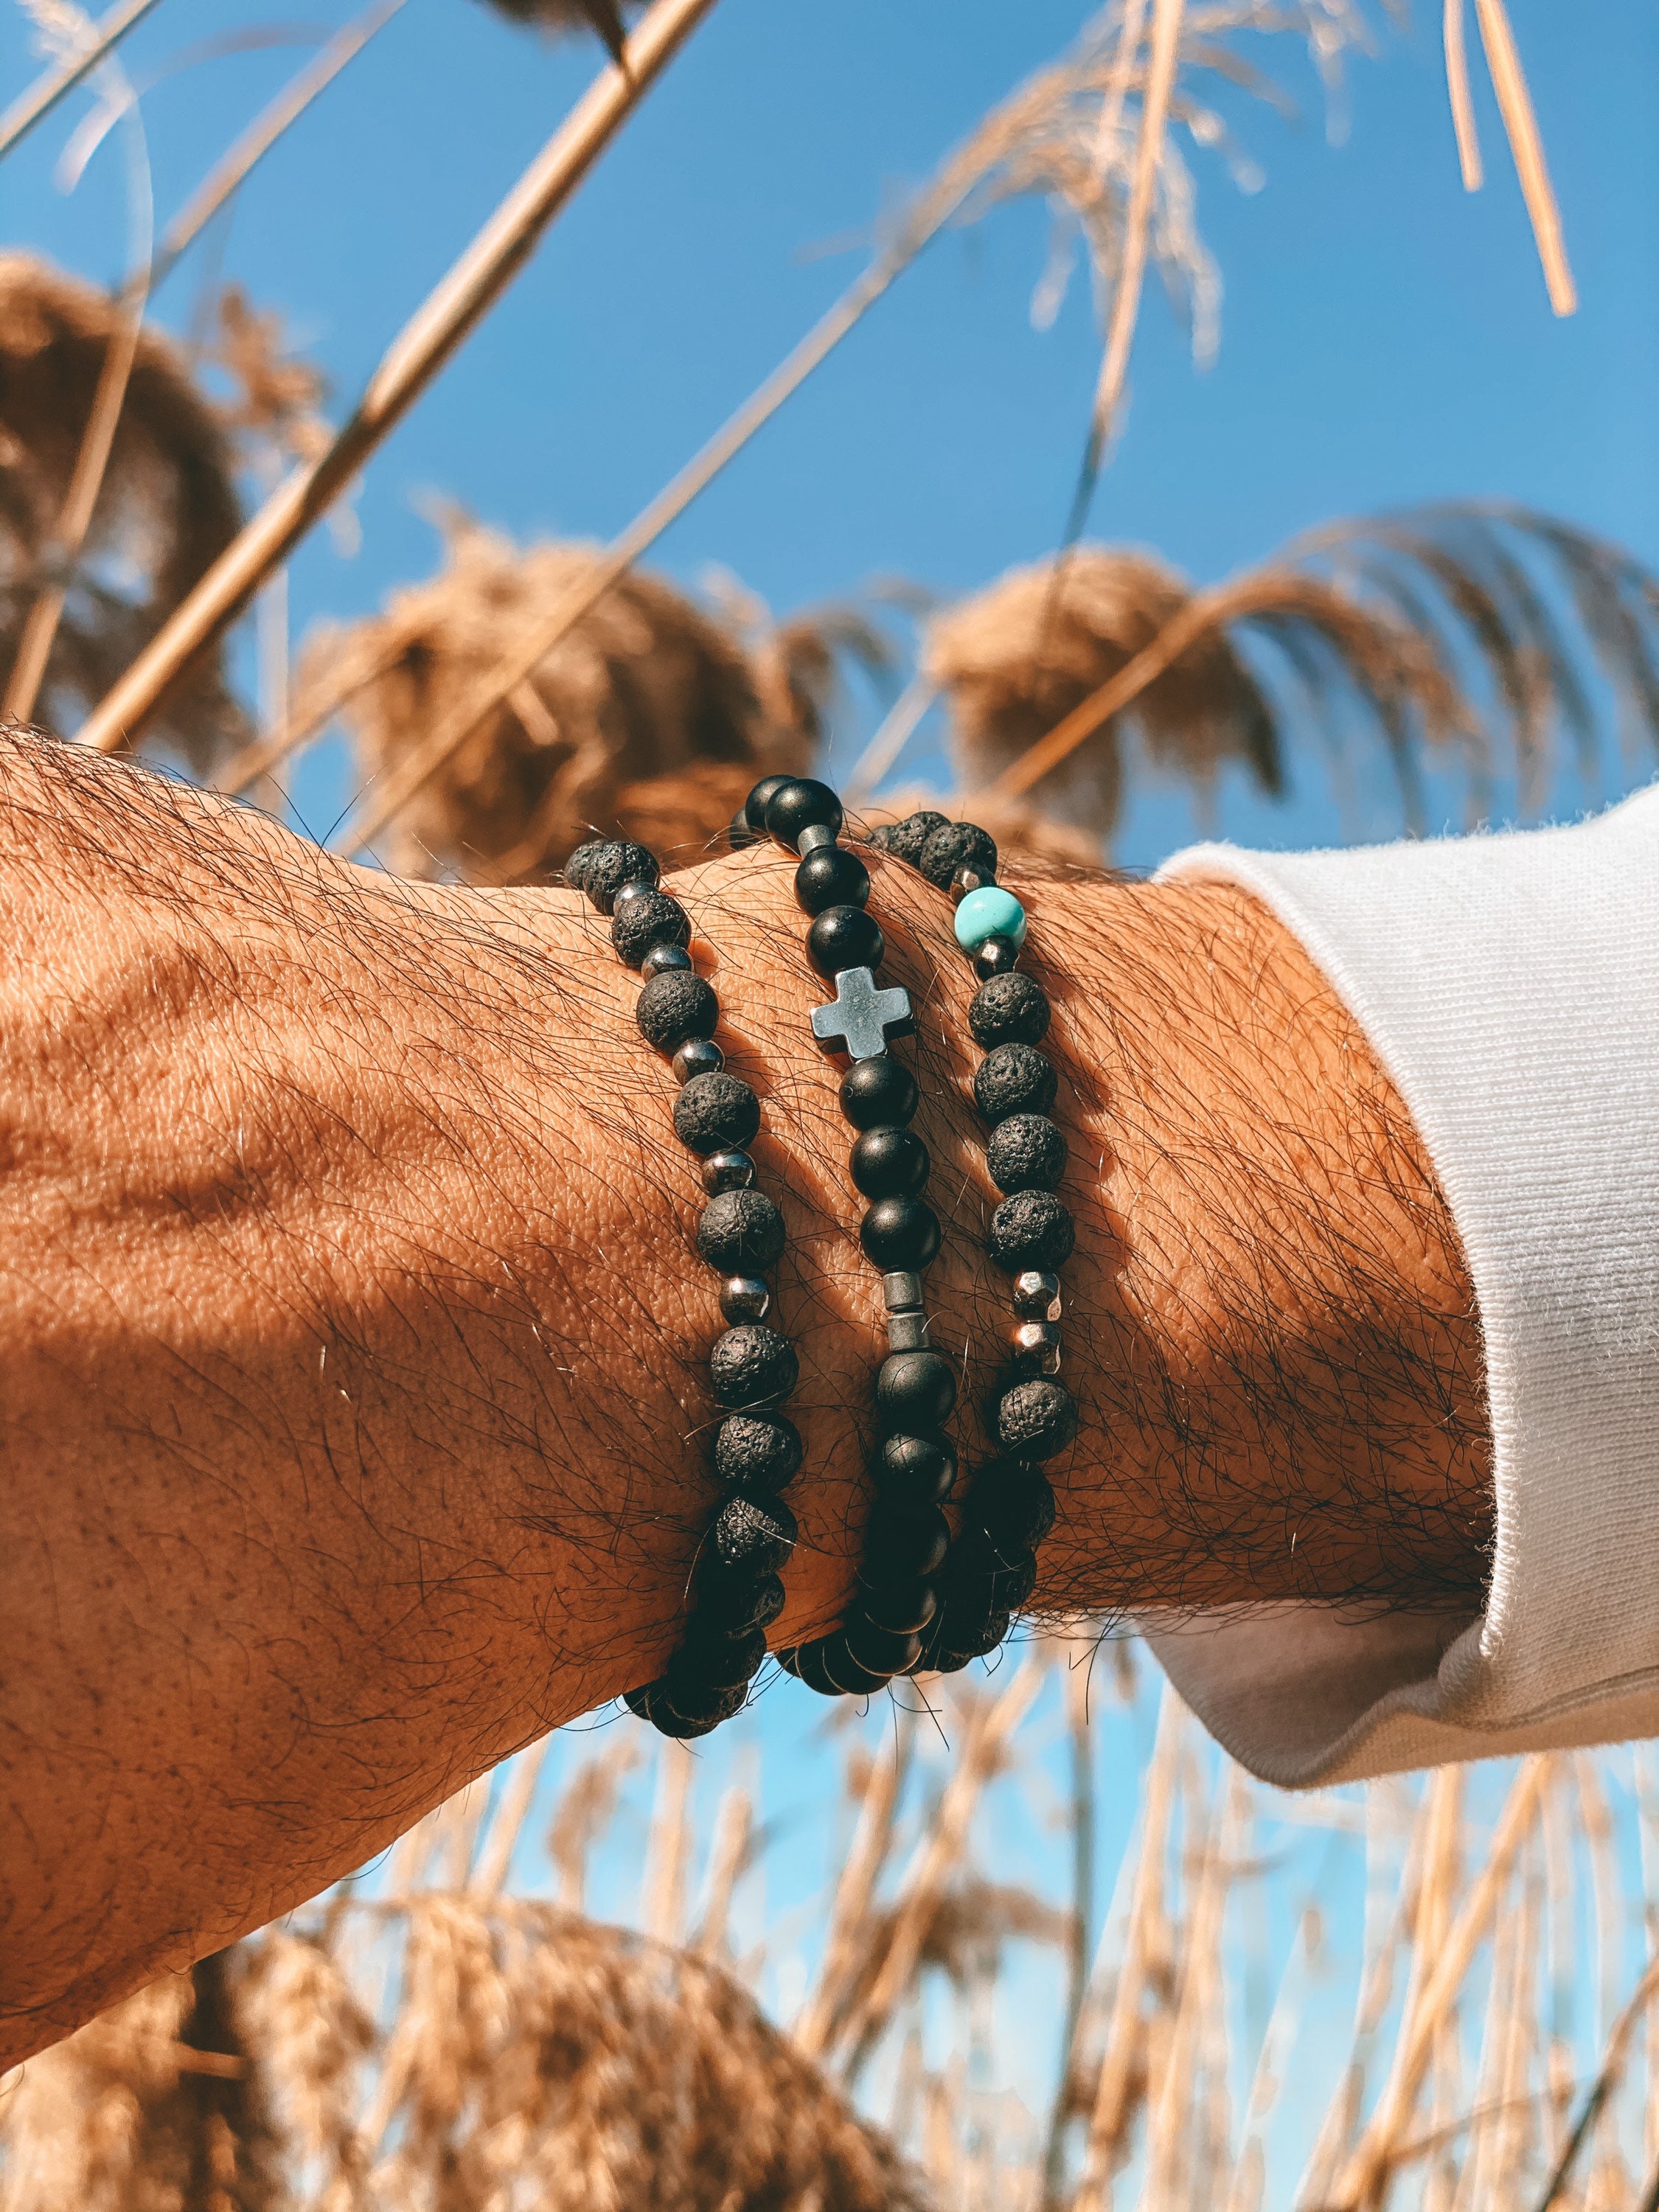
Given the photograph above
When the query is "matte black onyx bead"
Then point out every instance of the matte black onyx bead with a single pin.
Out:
(753, 1534)
(841, 1669)
(916, 1390)
(715, 1113)
(973, 1639)
(607, 866)
(905, 839)
(666, 960)
(899, 1232)
(1001, 1580)
(805, 1663)
(801, 802)
(831, 876)
(729, 1170)
(739, 1601)
(890, 1163)
(739, 834)
(879, 1651)
(754, 807)
(652, 1704)
(845, 937)
(741, 1232)
(1032, 1230)
(1014, 1079)
(877, 1092)
(906, 1607)
(1037, 1419)
(901, 1542)
(698, 1056)
(956, 845)
(921, 1470)
(756, 1452)
(653, 918)
(712, 1659)
(1008, 1010)
(1013, 1506)
(1025, 1152)
(750, 1364)
(998, 956)
(675, 1006)
(744, 1299)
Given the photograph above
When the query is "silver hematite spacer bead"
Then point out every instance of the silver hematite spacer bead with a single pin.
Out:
(664, 960)
(1037, 1295)
(744, 1299)
(902, 1290)
(967, 878)
(728, 1170)
(698, 1056)
(629, 891)
(907, 1332)
(816, 834)
(1037, 1348)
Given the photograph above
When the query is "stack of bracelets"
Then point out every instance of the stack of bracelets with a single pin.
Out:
(924, 1602)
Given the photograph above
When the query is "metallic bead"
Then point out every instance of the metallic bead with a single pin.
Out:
(1037, 1295)
(698, 1056)
(902, 1290)
(629, 892)
(967, 878)
(815, 834)
(1037, 1348)
(727, 1170)
(906, 1332)
(664, 960)
(998, 956)
(745, 1297)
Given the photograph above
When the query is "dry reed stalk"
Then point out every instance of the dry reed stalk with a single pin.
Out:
(663, 1883)
(1170, 2175)
(1075, 1680)
(876, 1786)
(1515, 105)
(991, 1723)
(438, 326)
(728, 1858)
(1366, 2175)
(1472, 2188)
(495, 1860)
(1123, 2073)
(1248, 2175)
(1615, 2053)
(1458, 97)
(34, 105)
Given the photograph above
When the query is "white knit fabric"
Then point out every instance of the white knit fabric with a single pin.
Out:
(1510, 986)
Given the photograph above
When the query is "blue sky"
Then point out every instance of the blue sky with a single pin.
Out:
(1385, 337)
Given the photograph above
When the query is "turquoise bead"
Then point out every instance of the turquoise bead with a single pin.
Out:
(989, 912)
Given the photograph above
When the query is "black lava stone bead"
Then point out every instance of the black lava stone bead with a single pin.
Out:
(831, 876)
(754, 1453)
(608, 866)
(877, 1092)
(718, 1660)
(1037, 1419)
(905, 1607)
(899, 1233)
(716, 1114)
(754, 807)
(1013, 1506)
(921, 1470)
(956, 845)
(1032, 1229)
(901, 1542)
(890, 1163)
(844, 937)
(750, 1364)
(674, 1007)
(885, 1651)
(741, 1232)
(905, 839)
(801, 802)
(753, 1536)
(1026, 1152)
(576, 868)
(1001, 1580)
(971, 1633)
(1014, 1079)
(737, 1601)
(916, 1390)
(1008, 1010)
(639, 923)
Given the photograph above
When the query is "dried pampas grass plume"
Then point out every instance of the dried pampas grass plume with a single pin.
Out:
(603, 17)
(167, 508)
(646, 713)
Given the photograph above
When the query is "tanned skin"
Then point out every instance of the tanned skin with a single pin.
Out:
(353, 1344)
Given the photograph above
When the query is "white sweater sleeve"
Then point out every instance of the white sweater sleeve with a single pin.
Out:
(1510, 986)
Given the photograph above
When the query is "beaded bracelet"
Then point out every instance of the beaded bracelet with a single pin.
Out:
(914, 1468)
(756, 1453)
(1010, 1509)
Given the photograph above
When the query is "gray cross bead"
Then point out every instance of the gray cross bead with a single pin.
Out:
(862, 1019)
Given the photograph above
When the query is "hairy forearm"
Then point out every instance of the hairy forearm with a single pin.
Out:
(355, 1341)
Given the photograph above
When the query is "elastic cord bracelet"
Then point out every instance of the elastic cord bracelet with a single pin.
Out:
(1010, 1507)
(737, 1589)
(915, 1464)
